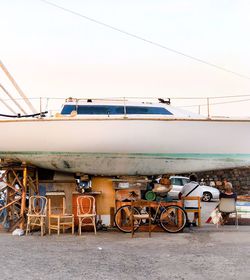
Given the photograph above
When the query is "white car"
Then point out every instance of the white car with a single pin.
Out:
(179, 181)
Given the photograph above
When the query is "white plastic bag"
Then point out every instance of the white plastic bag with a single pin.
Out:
(18, 232)
(216, 216)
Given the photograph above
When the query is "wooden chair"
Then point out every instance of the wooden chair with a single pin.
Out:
(37, 213)
(86, 212)
(58, 218)
(135, 216)
(193, 209)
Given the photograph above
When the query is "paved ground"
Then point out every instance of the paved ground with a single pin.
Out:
(205, 253)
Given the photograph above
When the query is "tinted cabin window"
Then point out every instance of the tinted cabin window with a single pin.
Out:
(67, 109)
(114, 110)
(100, 110)
(147, 110)
(93, 110)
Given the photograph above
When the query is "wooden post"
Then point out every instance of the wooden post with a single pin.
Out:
(24, 191)
(37, 182)
(112, 216)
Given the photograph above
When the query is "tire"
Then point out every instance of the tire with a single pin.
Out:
(207, 196)
(123, 219)
(173, 218)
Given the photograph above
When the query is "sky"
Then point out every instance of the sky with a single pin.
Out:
(56, 54)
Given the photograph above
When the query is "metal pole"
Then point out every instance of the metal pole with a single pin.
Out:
(208, 111)
(125, 110)
(40, 105)
(23, 202)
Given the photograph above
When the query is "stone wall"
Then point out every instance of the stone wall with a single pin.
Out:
(240, 178)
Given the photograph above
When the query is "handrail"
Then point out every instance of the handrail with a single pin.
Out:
(41, 114)
(43, 103)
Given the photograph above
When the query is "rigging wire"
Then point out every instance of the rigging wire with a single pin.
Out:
(190, 97)
(146, 40)
(216, 103)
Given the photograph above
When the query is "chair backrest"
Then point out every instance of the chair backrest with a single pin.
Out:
(227, 205)
(193, 198)
(57, 205)
(85, 204)
(38, 205)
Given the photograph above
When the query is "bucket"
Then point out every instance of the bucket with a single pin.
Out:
(150, 195)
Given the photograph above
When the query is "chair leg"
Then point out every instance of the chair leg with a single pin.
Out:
(49, 227)
(41, 225)
(58, 226)
(93, 220)
(73, 226)
(27, 227)
(199, 218)
(80, 226)
(44, 226)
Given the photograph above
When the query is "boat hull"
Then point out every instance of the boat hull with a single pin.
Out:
(127, 146)
(130, 164)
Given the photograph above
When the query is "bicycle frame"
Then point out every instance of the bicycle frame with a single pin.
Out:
(155, 217)
(171, 217)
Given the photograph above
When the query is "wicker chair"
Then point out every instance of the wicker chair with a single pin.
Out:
(37, 213)
(86, 212)
(58, 218)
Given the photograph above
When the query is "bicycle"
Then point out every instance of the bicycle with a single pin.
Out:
(171, 218)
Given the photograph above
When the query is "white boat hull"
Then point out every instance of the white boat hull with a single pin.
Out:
(118, 146)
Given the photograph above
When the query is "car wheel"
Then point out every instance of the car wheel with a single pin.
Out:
(206, 196)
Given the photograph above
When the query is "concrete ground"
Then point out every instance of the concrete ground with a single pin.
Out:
(197, 253)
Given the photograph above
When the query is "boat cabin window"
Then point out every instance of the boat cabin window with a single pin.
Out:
(113, 110)
(133, 110)
(67, 109)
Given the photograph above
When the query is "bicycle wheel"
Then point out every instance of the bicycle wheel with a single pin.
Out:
(173, 218)
(123, 219)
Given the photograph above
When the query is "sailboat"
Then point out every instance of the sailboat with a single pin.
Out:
(121, 137)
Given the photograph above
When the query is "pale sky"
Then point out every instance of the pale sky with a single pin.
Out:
(52, 53)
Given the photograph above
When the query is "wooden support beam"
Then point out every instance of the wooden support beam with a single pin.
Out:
(18, 180)
(24, 191)
(37, 182)
(9, 204)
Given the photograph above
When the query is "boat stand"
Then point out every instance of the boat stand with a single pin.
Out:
(21, 182)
